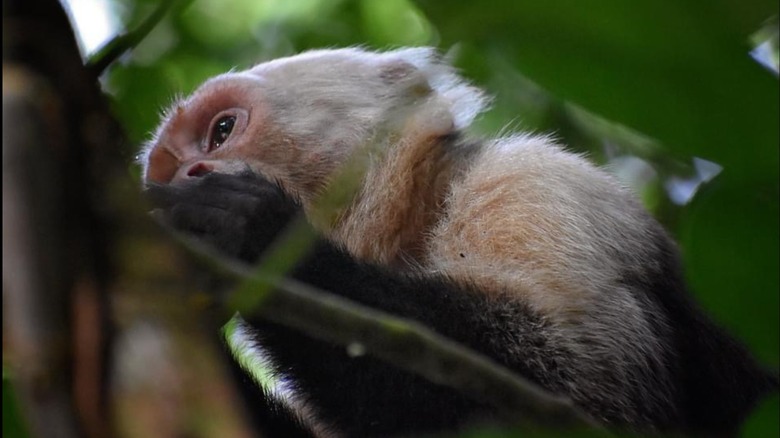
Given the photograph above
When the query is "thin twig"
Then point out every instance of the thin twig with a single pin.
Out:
(120, 44)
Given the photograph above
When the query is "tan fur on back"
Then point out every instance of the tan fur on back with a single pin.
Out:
(516, 216)
(521, 214)
(529, 216)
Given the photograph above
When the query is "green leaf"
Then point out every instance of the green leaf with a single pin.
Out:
(677, 71)
(730, 236)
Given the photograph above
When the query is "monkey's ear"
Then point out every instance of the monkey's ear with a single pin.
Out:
(404, 77)
(422, 70)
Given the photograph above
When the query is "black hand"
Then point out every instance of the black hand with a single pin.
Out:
(240, 215)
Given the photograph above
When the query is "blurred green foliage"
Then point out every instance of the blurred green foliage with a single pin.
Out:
(642, 86)
(13, 424)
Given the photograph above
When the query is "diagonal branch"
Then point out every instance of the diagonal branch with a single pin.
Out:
(367, 331)
(120, 44)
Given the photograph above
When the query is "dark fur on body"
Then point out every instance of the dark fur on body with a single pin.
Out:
(707, 386)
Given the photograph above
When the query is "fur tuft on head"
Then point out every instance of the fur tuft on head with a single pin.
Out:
(464, 100)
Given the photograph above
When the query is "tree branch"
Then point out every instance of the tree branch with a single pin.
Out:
(402, 342)
(120, 44)
(58, 139)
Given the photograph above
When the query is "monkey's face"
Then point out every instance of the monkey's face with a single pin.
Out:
(200, 134)
(229, 126)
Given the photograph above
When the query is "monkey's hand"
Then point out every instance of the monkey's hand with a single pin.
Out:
(239, 215)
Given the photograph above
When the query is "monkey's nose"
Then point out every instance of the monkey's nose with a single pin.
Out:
(199, 169)
(188, 171)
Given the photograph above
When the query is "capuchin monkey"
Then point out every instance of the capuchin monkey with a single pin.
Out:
(512, 246)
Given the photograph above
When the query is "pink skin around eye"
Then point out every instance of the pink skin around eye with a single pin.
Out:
(192, 159)
(207, 160)
(182, 148)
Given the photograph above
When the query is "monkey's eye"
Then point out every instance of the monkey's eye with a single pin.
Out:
(221, 131)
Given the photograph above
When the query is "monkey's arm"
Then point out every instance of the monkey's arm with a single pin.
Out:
(239, 215)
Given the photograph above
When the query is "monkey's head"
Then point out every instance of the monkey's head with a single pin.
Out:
(296, 120)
